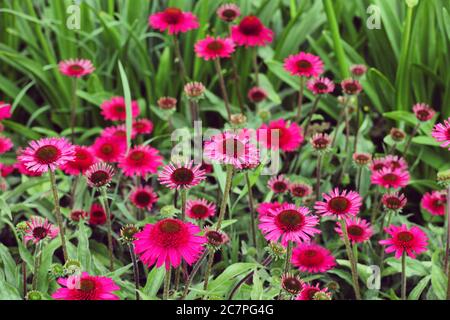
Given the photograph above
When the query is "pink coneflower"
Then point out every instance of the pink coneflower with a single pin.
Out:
(389, 178)
(167, 103)
(39, 229)
(194, 90)
(310, 257)
(143, 197)
(434, 202)
(87, 287)
(309, 291)
(115, 109)
(174, 21)
(250, 32)
(140, 161)
(99, 175)
(290, 223)
(266, 208)
(181, 176)
(300, 190)
(143, 126)
(358, 70)
(214, 47)
(290, 135)
(362, 158)
(292, 284)
(412, 241)
(304, 65)
(215, 238)
(169, 241)
(231, 148)
(76, 68)
(97, 215)
(47, 153)
(394, 201)
(342, 204)
(320, 85)
(441, 133)
(77, 215)
(279, 184)
(257, 94)
(5, 110)
(82, 161)
(395, 162)
(200, 209)
(358, 230)
(5, 144)
(228, 12)
(351, 87)
(320, 141)
(423, 112)
(119, 132)
(109, 149)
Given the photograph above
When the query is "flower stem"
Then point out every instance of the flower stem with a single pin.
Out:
(193, 273)
(252, 208)
(183, 217)
(353, 262)
(311, 113)
(358, 179)
(408, 142)
(358, 110)
(237, 78)
(59, 218)
(109, 226)
(300, 99)
(447, 249)
(194, 110)
(287, 263)
(208, 269)
(176, 44)
(24, 273)
(226, 193)
(404, 275)
(167, 284)
(318, 174)
(347, 130)
(135, 268)
(222, 87)
(255, 65)
(73, 107)
(37, 263)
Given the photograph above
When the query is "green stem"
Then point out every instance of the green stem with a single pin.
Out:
(167, 284)
(183, 217)
(287, 263)
(353, 262)
(226, 193)
(335, 35)
(179, 57)
(73, 109)
(408, 142)
(300, 99)
(193, 273)
(404, 275)
(252, 208)
(255, 65)
(109, 226)
(358, 179)
(37, 262)
(358, 111)
(447, 247)
(24, 273)
(135, 269)
(313, 110)
(223, 87)
(318, 174)
(59, 218)
(208, 269)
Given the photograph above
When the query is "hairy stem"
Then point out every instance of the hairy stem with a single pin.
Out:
(311, 113)
(58, 214)
(194, 271)
(135, 269)
(179, 57)
(223, 87)
(404, 275)
(109, 226)
(73, 109)
(408, 142)
(208, 269)
(226, 193)
(167, 284)
(37, 262)
(353, 262)
(252, 208)
(318, 174)
(300, 99)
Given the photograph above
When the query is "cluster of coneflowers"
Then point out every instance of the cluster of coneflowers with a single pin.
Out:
(291, 221)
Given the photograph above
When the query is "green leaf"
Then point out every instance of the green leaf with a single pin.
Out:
(438, 278)
(127, 95)
(418, 289)
(154, 281)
